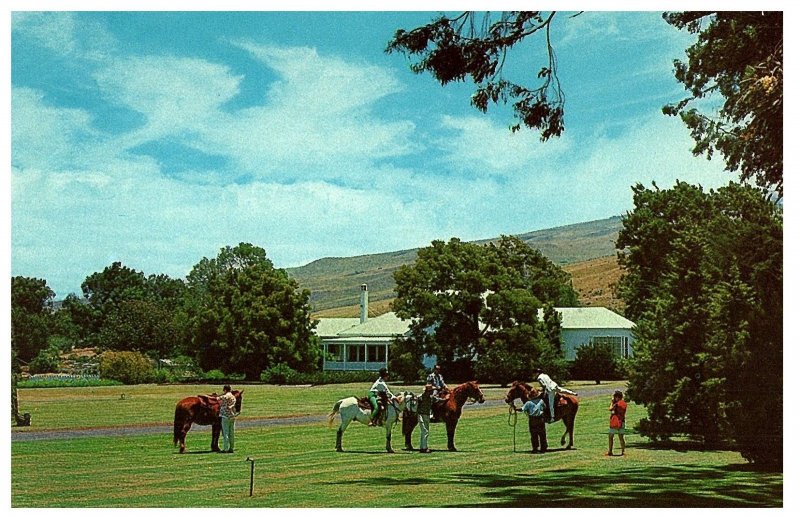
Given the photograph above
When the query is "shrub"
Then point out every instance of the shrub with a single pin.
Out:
(596, 362)
(46, 361)
(213, 375)
(128, 367)
(279, 374)
(282, 374)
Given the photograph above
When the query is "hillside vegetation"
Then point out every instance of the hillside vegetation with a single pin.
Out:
(585, 250)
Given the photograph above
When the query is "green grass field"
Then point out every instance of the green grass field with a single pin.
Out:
(296, 466)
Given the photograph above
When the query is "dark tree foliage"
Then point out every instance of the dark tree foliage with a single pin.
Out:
(31, 306)
(738, 55)
(704, 282)
(246, 316)
(125, 310)
(475, 45)
(470, 301)
(596, 362)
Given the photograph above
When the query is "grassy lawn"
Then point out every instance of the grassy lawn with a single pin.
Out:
(296, 466)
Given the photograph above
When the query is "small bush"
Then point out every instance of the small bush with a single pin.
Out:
(596, 362)
(282, 374)
(279, 374)
(129, 367)
(213, 375)
(46, 361)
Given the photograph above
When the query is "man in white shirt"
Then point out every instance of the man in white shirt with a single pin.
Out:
(550, 388)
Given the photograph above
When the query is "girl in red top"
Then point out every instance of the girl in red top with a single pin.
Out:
(617, 426)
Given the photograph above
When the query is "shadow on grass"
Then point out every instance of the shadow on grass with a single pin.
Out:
(678, 486)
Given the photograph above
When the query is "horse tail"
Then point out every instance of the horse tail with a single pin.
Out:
(332, 415)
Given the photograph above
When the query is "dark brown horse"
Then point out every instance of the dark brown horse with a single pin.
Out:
(566, 407)
(202, 410)
(448, 411)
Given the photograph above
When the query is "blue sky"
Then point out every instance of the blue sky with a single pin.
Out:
(155, 139)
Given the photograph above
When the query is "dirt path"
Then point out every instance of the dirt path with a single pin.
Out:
(21, 434)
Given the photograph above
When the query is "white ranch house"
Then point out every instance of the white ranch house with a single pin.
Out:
(362, 343)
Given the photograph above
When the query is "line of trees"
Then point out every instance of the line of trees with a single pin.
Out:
(235, 313)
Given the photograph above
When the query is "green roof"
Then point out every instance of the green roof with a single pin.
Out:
(387, 325)
(332, 326)
(591, 317)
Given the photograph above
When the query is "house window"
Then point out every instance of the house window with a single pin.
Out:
(619, 345)
(376, 353)
(335, 352)
(355, 353)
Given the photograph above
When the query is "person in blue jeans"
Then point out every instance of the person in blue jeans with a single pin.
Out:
(228, 414)
(534, 409)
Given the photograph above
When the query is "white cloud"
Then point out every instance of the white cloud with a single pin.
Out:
(45, 136)
(64, 34)
(176, 95)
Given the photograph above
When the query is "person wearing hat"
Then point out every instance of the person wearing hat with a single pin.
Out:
(550, 388)
(228, 414)
(424, 406)
(378, 387)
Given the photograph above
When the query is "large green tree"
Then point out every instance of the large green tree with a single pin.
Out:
(31, 316)
(245, 315)
(470, 301)
(704, 282)
(738, 56)
(123, 309)
(31, 323)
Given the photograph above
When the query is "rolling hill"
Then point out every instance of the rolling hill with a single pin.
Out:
(585, 250)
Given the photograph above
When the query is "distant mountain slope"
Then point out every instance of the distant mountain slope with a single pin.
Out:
(335, 282)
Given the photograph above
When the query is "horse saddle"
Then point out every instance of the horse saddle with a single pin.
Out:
(383, 402)
(209, 400)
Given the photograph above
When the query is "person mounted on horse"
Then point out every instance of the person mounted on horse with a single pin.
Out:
(440, 389)
(379, 397)
(550, 388)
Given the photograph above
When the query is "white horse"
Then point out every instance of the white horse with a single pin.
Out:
(349, 411)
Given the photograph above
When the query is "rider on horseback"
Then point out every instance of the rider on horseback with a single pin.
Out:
(550, 388)
(378, 387)
(436, 380)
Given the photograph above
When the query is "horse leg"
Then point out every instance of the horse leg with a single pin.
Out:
(451, 434)
(389, 440)
(182, 436)
(409, 422)
(216, 428)
(340, 433)
(569, 424)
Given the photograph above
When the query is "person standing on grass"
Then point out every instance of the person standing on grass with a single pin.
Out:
(534, 408)
(424, 405)
(228, 414)
(616, 426)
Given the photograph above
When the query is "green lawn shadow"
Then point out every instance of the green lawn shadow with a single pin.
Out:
(678, 486)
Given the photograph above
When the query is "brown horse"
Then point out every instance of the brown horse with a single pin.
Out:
(566, 407)
(448, 411)
(202, 410)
